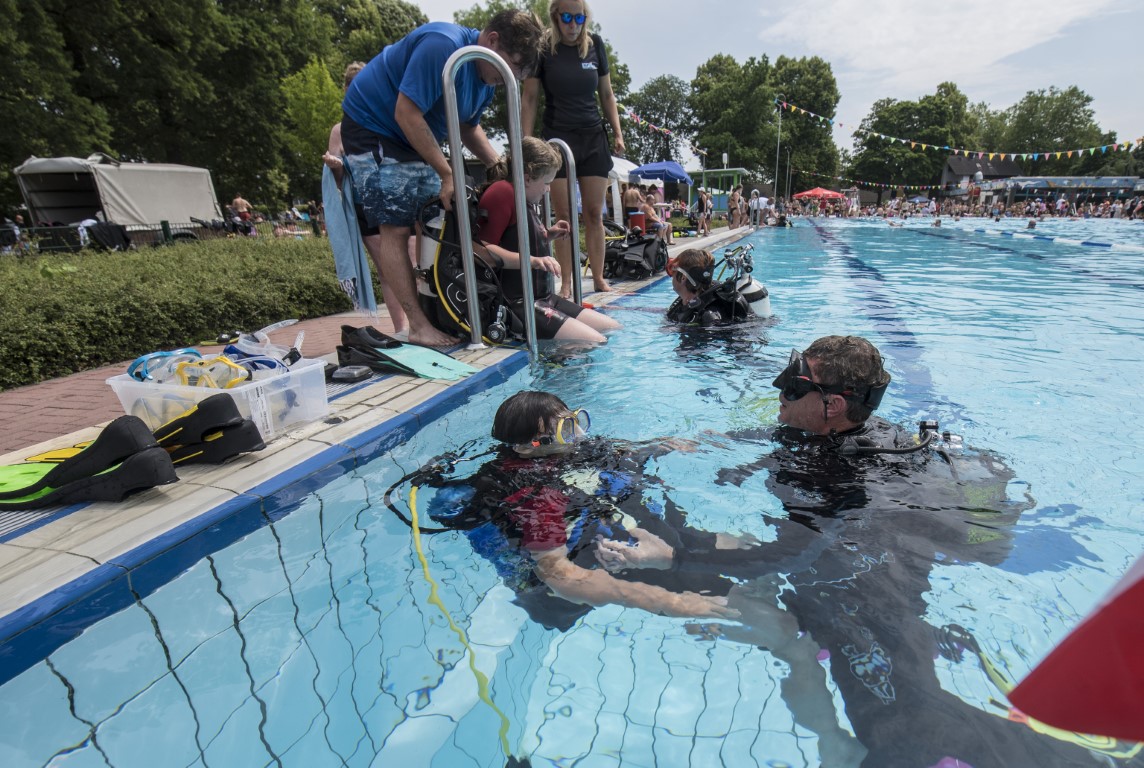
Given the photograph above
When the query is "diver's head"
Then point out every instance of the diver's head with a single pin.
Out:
(833, 386)
(540, 161)
(539, 424)
(691, 273)
(352, 70)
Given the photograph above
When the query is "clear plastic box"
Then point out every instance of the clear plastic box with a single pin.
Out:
(274, 404)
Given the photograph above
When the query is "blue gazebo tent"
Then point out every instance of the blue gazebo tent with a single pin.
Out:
(667, 170)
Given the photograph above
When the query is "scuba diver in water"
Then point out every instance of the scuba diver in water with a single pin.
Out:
(550, 492)
(708, 300)
(871, 508)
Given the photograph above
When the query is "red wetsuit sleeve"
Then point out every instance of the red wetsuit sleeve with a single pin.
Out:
(498, 212)
(539, 513)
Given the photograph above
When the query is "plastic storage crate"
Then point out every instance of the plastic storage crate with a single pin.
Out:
(274, 404)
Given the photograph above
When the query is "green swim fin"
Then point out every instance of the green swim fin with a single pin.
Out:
(145, 469)
(422, 361)
(121, 438)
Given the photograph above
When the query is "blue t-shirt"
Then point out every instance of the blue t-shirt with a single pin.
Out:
(413, 66)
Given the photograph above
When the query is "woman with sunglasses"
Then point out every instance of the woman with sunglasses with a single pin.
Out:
(701, 301)
(573, 70)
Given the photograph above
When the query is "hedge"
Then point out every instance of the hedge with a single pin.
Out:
(73, 312)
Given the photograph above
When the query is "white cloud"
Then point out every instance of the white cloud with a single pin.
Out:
(912, 48)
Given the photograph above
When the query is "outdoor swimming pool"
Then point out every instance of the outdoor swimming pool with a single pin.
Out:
(312, 633)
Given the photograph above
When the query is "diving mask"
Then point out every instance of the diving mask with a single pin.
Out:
(796, 381)
(160, 366)
(568, 429)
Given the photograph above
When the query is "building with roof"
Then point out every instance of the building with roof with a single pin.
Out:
(960, 171)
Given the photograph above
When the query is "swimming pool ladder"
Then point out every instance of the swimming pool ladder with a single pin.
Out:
(461, 200)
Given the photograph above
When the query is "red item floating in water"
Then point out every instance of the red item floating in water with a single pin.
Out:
(1093, 681)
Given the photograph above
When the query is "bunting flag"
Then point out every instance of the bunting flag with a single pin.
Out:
(877, 184)
(1124, 146)
(630, 115)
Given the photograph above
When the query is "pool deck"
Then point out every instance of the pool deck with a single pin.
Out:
(57, 550)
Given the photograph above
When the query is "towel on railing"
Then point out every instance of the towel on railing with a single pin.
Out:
(351, 262)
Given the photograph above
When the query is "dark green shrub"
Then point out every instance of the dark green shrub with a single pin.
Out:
(68, 313)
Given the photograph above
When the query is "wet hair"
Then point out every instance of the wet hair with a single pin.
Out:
(538, 157)
(553, 37)
(517, 418)
(698, 264)
(849, 361)
(520, 33)
(352, 70)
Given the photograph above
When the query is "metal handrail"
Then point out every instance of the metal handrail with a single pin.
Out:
(456, 157)
(573, 216)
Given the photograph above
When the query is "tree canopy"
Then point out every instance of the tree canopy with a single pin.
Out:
(663, 102)
(939, 119)
(734, 110)
(1042, 121)
(250, 89)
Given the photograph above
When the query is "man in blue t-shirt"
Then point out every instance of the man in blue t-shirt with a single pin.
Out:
(394, 122)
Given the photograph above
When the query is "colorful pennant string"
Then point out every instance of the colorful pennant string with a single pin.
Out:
(875, 184)
(1124, 146)
(625, 112)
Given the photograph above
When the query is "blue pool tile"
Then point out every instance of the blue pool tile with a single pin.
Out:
(156, 722)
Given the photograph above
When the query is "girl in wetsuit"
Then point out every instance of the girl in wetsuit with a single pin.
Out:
(573, 70)
(498, 244)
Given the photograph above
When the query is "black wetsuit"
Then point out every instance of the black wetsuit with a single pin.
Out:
(861, 536)
(512, 506)
(718, 305)
(571, 112)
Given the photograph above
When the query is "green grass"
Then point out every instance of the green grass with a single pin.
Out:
(73, 312)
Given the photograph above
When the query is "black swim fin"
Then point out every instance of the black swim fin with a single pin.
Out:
(139, 471)
(220, 445)
(121, 438)
(206, 416)
(375, 361)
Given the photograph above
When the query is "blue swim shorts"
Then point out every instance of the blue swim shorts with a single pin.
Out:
(391, 192)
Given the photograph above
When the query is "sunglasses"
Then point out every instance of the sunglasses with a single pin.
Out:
(568, 18)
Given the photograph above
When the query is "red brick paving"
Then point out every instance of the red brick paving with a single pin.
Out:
(39, 412)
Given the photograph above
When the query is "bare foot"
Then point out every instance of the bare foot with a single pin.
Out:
(431, 337)
(601, 286)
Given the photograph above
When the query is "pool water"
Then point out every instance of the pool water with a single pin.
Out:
(330, 635)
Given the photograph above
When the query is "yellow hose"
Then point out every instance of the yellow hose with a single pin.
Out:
(435, 599)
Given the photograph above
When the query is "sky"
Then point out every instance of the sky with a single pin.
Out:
(994, 50)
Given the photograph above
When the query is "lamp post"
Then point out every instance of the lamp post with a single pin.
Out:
(779, 140)
(788, 171)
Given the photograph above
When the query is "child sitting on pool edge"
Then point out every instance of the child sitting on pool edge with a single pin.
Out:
(498, 238)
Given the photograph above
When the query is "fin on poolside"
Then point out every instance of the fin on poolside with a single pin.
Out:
(139, 471)
(206, 416)
(121, 438)
(220, 445)
(415, 359)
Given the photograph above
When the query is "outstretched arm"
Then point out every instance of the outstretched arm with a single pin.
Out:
(597, 587)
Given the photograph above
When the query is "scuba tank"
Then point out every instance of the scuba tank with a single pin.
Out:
(741, 262)
(428, 248)
(755, 294)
